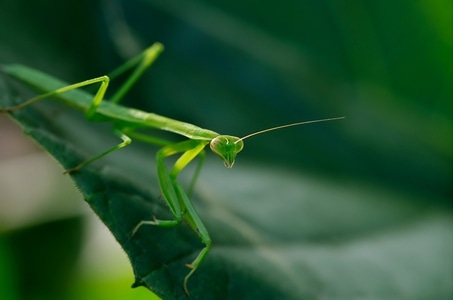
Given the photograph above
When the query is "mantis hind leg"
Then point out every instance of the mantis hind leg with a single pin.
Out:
(142, 62)
(177, 199)
(97, 99)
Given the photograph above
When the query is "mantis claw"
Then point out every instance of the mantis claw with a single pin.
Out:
(186, 279)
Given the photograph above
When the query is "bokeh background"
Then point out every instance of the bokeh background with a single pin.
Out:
(234, 67)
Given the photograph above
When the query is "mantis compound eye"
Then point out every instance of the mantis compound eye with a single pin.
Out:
(227, 146)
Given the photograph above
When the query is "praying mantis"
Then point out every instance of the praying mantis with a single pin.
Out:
(127, 122)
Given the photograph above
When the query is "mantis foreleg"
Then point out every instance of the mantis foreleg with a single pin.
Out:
(163, 142)
(177, 199)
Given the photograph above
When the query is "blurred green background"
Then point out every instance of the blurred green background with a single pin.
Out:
(234, 67)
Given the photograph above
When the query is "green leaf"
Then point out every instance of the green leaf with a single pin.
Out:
(277, 234)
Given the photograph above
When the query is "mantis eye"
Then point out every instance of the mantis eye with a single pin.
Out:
(227, 146)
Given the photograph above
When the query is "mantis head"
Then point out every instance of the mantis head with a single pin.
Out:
(227, 146)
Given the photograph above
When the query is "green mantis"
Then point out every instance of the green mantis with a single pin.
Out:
(127, 123)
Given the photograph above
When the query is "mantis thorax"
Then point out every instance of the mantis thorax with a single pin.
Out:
(227, 147)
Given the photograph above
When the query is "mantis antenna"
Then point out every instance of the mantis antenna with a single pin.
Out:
(227, 146)
(284, 126)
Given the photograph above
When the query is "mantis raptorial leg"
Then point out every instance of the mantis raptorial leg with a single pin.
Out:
(126, 121)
